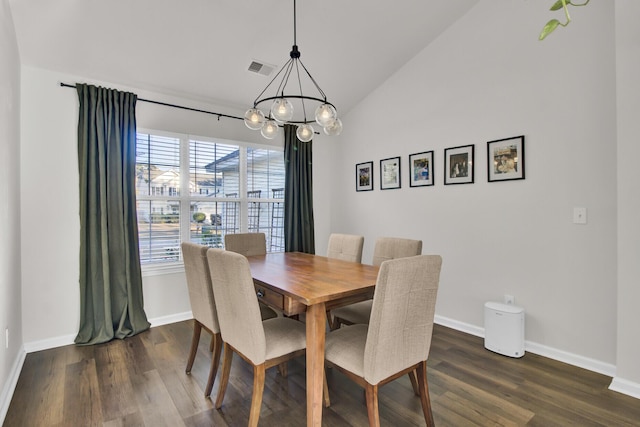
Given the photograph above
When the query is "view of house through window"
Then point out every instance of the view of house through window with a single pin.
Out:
(199, 190)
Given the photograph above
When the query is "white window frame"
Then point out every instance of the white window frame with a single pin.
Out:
(185, 198)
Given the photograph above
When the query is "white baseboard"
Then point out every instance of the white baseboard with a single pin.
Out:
(10, 385)
(173, 318)
(542, 350)
(61, 341)
(625, 387)
(49, 343)
(571, 358)
(459, 326)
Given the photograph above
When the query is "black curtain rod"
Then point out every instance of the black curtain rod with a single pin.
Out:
(175, 106)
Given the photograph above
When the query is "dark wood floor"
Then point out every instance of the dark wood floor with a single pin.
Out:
(140, 381)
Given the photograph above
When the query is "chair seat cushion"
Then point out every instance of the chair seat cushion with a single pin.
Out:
(283, 336)
(359, 312)
(345, 347)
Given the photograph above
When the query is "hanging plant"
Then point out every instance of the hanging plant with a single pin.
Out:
(554, 23)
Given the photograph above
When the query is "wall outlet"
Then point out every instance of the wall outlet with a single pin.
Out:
(579, 215)
(509, 299)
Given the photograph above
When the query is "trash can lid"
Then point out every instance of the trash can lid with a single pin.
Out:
(505, 308)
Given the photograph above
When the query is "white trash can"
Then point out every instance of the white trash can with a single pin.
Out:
(504, 329)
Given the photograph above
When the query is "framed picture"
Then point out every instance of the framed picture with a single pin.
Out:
(421, 169)
(505, 159)
(390, 173)
(364, 176)
(458, 165)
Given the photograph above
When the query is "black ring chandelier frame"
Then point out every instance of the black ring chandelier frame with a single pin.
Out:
(281, 111)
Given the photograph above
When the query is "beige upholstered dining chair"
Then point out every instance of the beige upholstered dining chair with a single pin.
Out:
(203, 307)
(262, 344)
(398, 337)
(386, 248)
(249, 244)
(347, 247)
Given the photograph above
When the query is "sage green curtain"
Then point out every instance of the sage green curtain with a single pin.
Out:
(299, 233)
(111, 303)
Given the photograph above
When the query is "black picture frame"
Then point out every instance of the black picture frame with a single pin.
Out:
(390, 173)
(421, 169)
(459, 165)
(364, 176)
(506, 159)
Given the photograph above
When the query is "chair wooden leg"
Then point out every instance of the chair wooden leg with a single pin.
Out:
(195, 339)
(226, 370)
(216, 342)
(371, 392)
(424, 394)
(333, 324)
(414, 382)
(256, 397)
(282, 368)
(212, 344)
(325, 389)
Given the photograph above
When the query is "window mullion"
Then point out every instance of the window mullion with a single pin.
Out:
(185, 191)
(244, 205)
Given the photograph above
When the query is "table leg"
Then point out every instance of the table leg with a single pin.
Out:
(316, 317)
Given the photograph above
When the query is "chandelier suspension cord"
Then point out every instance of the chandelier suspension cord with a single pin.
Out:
(294, 23)
(255, 102)
(304, 109)
(314, 81)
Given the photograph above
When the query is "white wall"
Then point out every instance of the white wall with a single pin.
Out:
(487, 78)
(628, 109)
(10, 306)
(49, 188)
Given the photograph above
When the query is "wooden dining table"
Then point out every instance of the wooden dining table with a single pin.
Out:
(297, 283)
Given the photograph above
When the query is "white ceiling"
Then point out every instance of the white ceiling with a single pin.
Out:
(201, 49)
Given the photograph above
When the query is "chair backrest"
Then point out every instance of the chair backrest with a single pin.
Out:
(247, 244)
(238, 310)
(196, 269)
(347, 247)
(401, 322)
(393, 247)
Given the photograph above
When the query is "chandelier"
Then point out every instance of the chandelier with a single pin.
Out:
(282, 110)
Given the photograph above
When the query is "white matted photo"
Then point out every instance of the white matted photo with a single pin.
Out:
(505, 159)
(390, 173)
(421, 169)
(458, 165)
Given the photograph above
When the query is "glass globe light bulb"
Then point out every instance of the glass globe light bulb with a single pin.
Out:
(282, 110)
(254, 118)
(270, 129)
(325, 113)
(334, 127)
(305, 132)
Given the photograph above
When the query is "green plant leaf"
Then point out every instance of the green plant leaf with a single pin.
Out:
(557, 5)
(548, 29)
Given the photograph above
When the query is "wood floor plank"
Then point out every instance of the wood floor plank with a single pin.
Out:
(82, 401)
(116, 392)
(140, 381)
(154, 401)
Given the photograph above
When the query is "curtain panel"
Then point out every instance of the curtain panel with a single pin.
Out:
(111, 301)
(299, 232)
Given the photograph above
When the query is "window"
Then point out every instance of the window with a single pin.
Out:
(198, 190)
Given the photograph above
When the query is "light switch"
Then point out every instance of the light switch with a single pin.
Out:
(579, 215)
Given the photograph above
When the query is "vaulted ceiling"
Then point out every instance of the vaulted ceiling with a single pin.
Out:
(201, 49)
